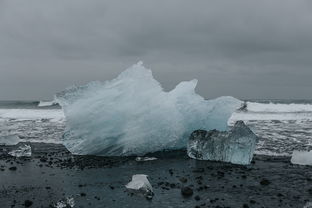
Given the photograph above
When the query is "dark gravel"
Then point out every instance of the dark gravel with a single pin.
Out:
(53, 174)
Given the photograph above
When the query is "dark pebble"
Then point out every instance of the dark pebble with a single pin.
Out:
(183, 180)
(13, 168)
(280, 195)
(245, 206)
(187, 191)
(28, 203)
(43, 159)
(252, 201)
(265, 182)
(171, 171)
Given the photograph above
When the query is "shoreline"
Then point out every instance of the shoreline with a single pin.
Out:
(52, 174)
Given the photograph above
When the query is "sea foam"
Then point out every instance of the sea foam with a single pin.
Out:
(278, 107)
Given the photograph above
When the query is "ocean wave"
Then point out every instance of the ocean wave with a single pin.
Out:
(278, 107)
(268, 116)
(32, 114)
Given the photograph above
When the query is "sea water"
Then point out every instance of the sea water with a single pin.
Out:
(280, 132)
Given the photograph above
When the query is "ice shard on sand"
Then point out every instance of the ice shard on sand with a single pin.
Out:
(301, 157)
(21, 151)
(140, 185)
(133, 115)
(235, 146)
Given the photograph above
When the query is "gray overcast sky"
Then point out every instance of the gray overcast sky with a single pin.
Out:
(247, 49)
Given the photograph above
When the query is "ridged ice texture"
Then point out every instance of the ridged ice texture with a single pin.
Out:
(235, 146)
(132, 115)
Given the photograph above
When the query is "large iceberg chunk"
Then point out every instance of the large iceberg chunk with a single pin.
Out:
(235, 146)
(132, 115)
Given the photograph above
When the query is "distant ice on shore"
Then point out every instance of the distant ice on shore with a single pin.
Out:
(9, 139)
(301, 157)
(47, 103)
(132, 115)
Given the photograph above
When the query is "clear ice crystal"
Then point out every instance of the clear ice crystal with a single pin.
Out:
(133, 115)
(235, 146)
(140, 184)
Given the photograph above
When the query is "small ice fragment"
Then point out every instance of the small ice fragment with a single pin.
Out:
(65, 203)
(308, 205)
(301, 157)
(21, 151)
(235, 146)
(141, 185)
(70, 201)
(47, 103)
(60, 204)
(140, 159)
(9, 140)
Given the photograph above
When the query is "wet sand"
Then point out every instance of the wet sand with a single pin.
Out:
(52, 174)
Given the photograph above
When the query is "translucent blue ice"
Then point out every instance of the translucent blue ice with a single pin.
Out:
(133, 115)
(235, 146)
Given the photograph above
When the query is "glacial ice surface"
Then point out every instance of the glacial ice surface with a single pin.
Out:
(133, 115)
(235, 146)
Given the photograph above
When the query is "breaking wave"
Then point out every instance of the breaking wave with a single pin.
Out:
(278, 107)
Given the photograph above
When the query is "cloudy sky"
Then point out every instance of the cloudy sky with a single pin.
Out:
(247, 49)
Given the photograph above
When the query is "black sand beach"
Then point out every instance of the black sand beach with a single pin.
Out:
(52, 174)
